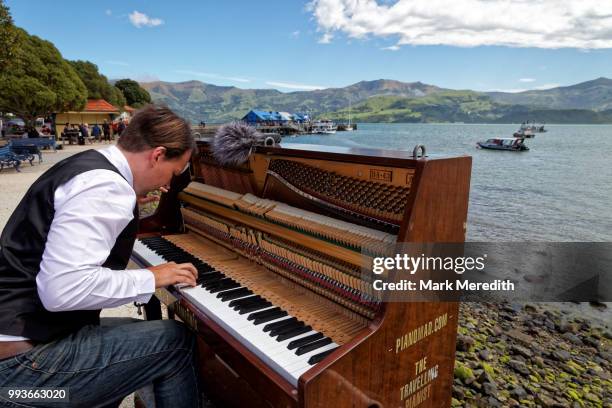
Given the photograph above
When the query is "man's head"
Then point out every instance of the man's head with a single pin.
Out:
(158, 145)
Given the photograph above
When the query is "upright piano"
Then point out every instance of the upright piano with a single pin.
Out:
(284, 313)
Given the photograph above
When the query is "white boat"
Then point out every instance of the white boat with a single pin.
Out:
(323, 127)
(511, 144)
(349, 127)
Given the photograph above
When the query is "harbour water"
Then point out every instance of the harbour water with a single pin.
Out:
(560, 190)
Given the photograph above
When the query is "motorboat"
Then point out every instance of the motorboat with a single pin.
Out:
(324, 127)
(524, 133)
(511, 144)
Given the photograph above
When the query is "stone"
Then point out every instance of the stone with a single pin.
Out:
(519, 367)
(485, 355)
(464, 343)
(523, 351)
(593, 342)
(518, 393)
(520, 336)
(458, 393)
(561, 355)
(489, 389)
(539, 361)
(463, 372)
(572, 338)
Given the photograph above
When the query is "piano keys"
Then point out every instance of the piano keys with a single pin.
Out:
(285, 314)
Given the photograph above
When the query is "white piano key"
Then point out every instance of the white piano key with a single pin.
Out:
(274, 353)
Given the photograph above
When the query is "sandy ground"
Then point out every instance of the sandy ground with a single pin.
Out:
(14, 185)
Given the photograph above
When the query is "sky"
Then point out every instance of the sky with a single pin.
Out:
(290, 45)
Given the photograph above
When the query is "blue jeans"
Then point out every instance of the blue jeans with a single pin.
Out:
(100, 365)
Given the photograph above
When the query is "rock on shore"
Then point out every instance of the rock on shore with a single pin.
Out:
(531, 355)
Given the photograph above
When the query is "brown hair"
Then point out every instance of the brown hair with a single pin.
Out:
(154, 126)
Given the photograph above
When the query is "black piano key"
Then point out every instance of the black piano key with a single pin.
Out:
(234, 294)
(254, 308)
(313, 346)
(292, 333)
(269, 318)
(221, 281)
(265, 313)
(213, 277)
(249, 303)
(286, 328)
(243, 300)
(203, 268)
(272, 326)
(318, 357)
(224, 286)
(304, 341)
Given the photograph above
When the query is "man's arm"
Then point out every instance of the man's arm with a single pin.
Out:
(91, 210)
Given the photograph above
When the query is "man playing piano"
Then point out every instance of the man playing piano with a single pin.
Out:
(63, 255)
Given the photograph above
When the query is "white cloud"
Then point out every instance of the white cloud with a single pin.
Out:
(326, 39)
(527, 80)
(139, 20)
(546, 86)
(585, 24)
(108, 12)
(211, 75)
(121, 63)
(290, 85)
(391, 48)
(295, 34)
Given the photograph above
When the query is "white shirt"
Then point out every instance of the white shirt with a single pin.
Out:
(91, 210)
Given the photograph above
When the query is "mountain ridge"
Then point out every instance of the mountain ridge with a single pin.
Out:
(196, 100)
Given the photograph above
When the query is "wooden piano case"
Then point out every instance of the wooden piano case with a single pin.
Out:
(404, 355)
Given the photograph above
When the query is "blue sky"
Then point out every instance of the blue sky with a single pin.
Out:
(296, 45)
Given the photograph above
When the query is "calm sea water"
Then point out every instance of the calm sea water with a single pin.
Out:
(560, 190)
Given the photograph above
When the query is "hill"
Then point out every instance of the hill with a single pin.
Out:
(387, 100)
(594, 95)
(460, 106)
(197, 101)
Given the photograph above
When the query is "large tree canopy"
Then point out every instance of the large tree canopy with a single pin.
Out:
(39, 81)
(8, 37)
(97, 85)
(135, 95)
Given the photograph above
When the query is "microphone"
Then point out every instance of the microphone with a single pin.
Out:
(233, 143)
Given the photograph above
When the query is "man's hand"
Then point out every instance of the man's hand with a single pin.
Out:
(146, 199)
(172, 273)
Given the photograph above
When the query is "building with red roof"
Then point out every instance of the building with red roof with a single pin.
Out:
(96, 111)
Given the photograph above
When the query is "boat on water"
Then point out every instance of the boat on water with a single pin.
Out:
(510, 144)
(532, 127)
(524, 133)
(323, 127)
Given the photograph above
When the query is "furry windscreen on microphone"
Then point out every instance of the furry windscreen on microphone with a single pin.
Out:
(234, 143)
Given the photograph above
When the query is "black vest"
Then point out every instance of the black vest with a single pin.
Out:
(22, 244)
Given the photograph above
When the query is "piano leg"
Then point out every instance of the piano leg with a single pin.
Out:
(152, 310)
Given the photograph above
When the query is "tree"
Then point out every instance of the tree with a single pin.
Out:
(97, 85)
(8, 37)
(135, 95)
(39, 81)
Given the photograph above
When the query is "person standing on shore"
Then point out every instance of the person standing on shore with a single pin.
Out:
(63, 255)
(106, 130)
(96, 132)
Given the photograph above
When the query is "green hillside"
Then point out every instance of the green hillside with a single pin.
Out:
(460, 106)
(386, 100)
